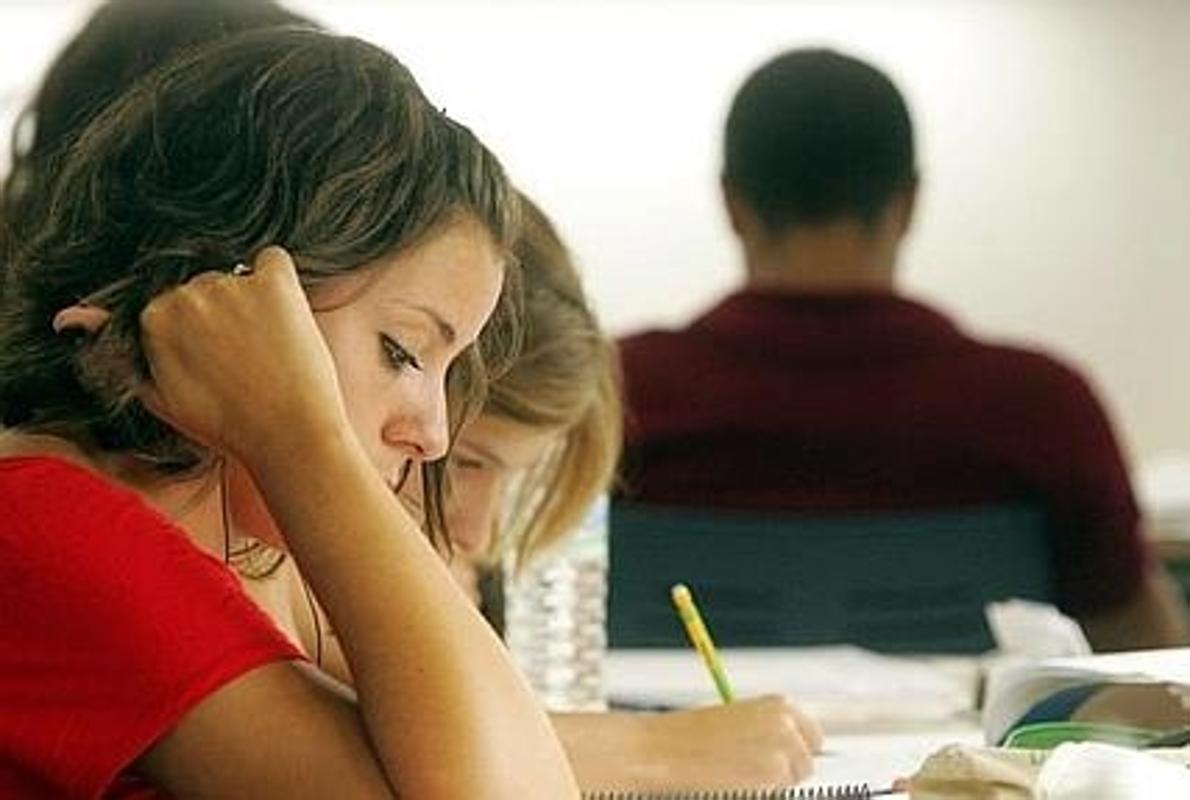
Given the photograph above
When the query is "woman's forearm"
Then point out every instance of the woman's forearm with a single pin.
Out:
(434, 684)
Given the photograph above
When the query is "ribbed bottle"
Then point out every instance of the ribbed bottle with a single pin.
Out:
(555, 618)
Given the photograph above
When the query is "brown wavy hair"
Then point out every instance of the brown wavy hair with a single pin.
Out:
(322, 144)
(119, 43)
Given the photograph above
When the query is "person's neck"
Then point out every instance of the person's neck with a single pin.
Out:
(193, 502)
(837, 258)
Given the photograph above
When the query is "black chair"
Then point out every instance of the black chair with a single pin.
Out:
(890, 581)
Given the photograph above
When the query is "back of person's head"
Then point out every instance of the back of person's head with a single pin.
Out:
(565, 378)
(121, 42)
(814, 136)
(319, 143)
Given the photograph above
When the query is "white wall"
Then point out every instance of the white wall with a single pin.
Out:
(1054, 140)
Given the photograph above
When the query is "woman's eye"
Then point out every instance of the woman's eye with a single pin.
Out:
(463, 462)
(396, 355)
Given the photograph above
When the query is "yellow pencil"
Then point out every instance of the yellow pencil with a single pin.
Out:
(701, 639)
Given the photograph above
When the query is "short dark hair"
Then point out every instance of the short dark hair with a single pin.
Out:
(813, 136)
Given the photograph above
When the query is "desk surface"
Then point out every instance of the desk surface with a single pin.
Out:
(882, 715)
(878, 758)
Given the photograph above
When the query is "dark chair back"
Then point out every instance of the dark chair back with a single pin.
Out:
(890, 581)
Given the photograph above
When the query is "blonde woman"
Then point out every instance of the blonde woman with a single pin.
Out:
(550, 431)
(545, 445)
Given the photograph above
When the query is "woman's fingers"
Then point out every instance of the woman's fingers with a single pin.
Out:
(756, 742)
(152, 400)
(237, 359)
(273, 258)
(81, 316)
(808, 727)
(791, 733)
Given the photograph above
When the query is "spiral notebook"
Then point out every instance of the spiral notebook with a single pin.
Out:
(855, 792)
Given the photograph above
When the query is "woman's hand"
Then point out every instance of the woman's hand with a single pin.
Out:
(756, 743)
(238, 362)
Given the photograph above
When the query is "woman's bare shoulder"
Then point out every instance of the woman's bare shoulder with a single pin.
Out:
(19, 444)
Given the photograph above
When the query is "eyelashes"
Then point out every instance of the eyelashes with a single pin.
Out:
(460, 461)
(396, 355)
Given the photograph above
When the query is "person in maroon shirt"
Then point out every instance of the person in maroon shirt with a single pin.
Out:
(819, 387)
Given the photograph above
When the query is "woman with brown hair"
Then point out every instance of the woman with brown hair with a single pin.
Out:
(158, 411)
(551, 427)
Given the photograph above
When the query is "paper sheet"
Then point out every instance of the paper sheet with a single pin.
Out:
(845, 688)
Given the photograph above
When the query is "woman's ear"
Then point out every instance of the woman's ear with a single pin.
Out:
(80, 316)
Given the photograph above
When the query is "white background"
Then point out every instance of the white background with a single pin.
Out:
(1054, 140)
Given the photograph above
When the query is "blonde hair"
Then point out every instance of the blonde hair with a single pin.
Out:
(565, 377)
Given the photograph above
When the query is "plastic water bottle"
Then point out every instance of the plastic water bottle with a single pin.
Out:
(555, 618)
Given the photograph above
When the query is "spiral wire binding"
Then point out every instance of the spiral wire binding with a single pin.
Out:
(856, 792)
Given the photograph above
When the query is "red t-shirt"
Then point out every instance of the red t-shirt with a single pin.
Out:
(871, 402)
(112, 626)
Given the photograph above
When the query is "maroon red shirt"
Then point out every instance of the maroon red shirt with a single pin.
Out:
(873, 401)
(112, 626)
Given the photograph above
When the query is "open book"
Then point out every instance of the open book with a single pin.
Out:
(1151, 688)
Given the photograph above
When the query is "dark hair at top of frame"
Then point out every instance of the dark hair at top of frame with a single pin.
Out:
(120, 42)
(322, 144)
(814, 135)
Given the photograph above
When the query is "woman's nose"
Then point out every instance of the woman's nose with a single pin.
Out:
(421, 429)
(436, 435)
